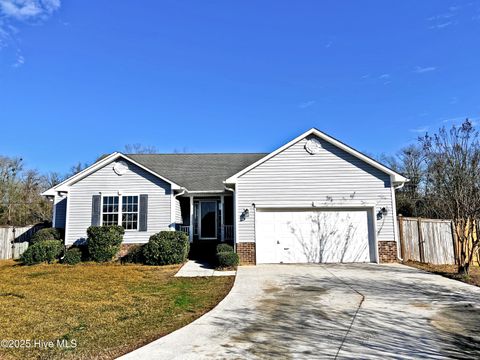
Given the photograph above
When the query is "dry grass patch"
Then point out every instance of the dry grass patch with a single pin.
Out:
(450, 271)
(109, 309)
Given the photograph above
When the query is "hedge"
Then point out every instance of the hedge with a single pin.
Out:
(42, 251)
(166, 247)
(46, 234)
(227, 259)
(103, 242)
(224, 248)
(72, 256)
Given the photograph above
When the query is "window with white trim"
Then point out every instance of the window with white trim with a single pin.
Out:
(130, 212)
(120, 210)
(110, 210)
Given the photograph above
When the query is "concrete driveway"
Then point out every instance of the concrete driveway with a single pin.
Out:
(332, 311)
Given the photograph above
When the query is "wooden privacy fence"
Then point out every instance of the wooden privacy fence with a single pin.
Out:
(14, 240)
(427, 240)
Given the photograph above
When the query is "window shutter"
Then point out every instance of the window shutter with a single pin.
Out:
(96, 204)
(142, 224)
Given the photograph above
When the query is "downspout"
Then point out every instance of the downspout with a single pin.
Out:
(175, 204)
(234, 217)
(399, 257)
(181, 193)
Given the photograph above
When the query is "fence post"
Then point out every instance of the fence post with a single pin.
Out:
(454, 241)
(420, 240)
(12, 242)
(400, 235)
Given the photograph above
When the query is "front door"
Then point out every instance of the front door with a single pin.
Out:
(208, 219)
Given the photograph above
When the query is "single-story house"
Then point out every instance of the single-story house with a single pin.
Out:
(315, 199)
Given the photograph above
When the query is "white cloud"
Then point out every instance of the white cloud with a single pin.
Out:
(19, 61)
(441, 25)
(22, 12)
(384, 76)
(421, 70)
(421, 129)
(453, 100)
(306, 104)
(440, 17)
(28, 9)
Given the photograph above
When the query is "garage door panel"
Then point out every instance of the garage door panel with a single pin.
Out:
(313, 236)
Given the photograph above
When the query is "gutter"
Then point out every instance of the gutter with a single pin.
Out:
(401, 185)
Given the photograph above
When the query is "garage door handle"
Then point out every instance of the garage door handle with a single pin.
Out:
(286, 248)
(278, 242)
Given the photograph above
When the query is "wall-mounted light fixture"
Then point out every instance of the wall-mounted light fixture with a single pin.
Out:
(245, 214)
(381, 213)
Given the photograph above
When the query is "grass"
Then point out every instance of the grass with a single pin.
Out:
(450, 271)
(108, 309)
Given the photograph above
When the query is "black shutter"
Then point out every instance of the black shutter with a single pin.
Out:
(142, 224)
(96, 211)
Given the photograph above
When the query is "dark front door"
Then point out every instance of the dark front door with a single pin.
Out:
(208, 219)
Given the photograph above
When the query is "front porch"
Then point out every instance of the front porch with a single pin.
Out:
(206, 219)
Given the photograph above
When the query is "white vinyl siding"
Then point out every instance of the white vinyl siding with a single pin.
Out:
(332, 178)
(107, 182)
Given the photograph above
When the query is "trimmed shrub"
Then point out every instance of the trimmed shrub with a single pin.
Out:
(134, 255)
(227, 259)
(46, 234)
(42, 251)
(103, 242)
(73, 256)
(166, 247)
(224, 248)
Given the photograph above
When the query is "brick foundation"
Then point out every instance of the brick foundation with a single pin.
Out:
(246, 252)
(387, 251)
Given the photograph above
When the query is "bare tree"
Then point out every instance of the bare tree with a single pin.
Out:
(51, 179)
(140, 149)
(453, 165)
(411, 199)
(20, 190)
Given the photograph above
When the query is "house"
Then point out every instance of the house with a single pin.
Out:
(315, 199)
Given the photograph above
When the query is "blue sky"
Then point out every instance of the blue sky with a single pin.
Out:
(82, 78)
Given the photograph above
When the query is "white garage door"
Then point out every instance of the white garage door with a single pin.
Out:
(323, 236)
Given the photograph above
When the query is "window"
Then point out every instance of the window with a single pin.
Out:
(110, 210)
(130, 212)
(125, 214)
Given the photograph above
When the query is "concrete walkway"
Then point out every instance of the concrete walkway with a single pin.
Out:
(332, 311)
(194, 268)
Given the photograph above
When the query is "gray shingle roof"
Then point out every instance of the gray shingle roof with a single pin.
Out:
(197, 172)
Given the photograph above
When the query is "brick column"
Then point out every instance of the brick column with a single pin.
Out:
(246, 253)
(387, 251)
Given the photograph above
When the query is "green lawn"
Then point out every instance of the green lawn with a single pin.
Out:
(107, 309)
